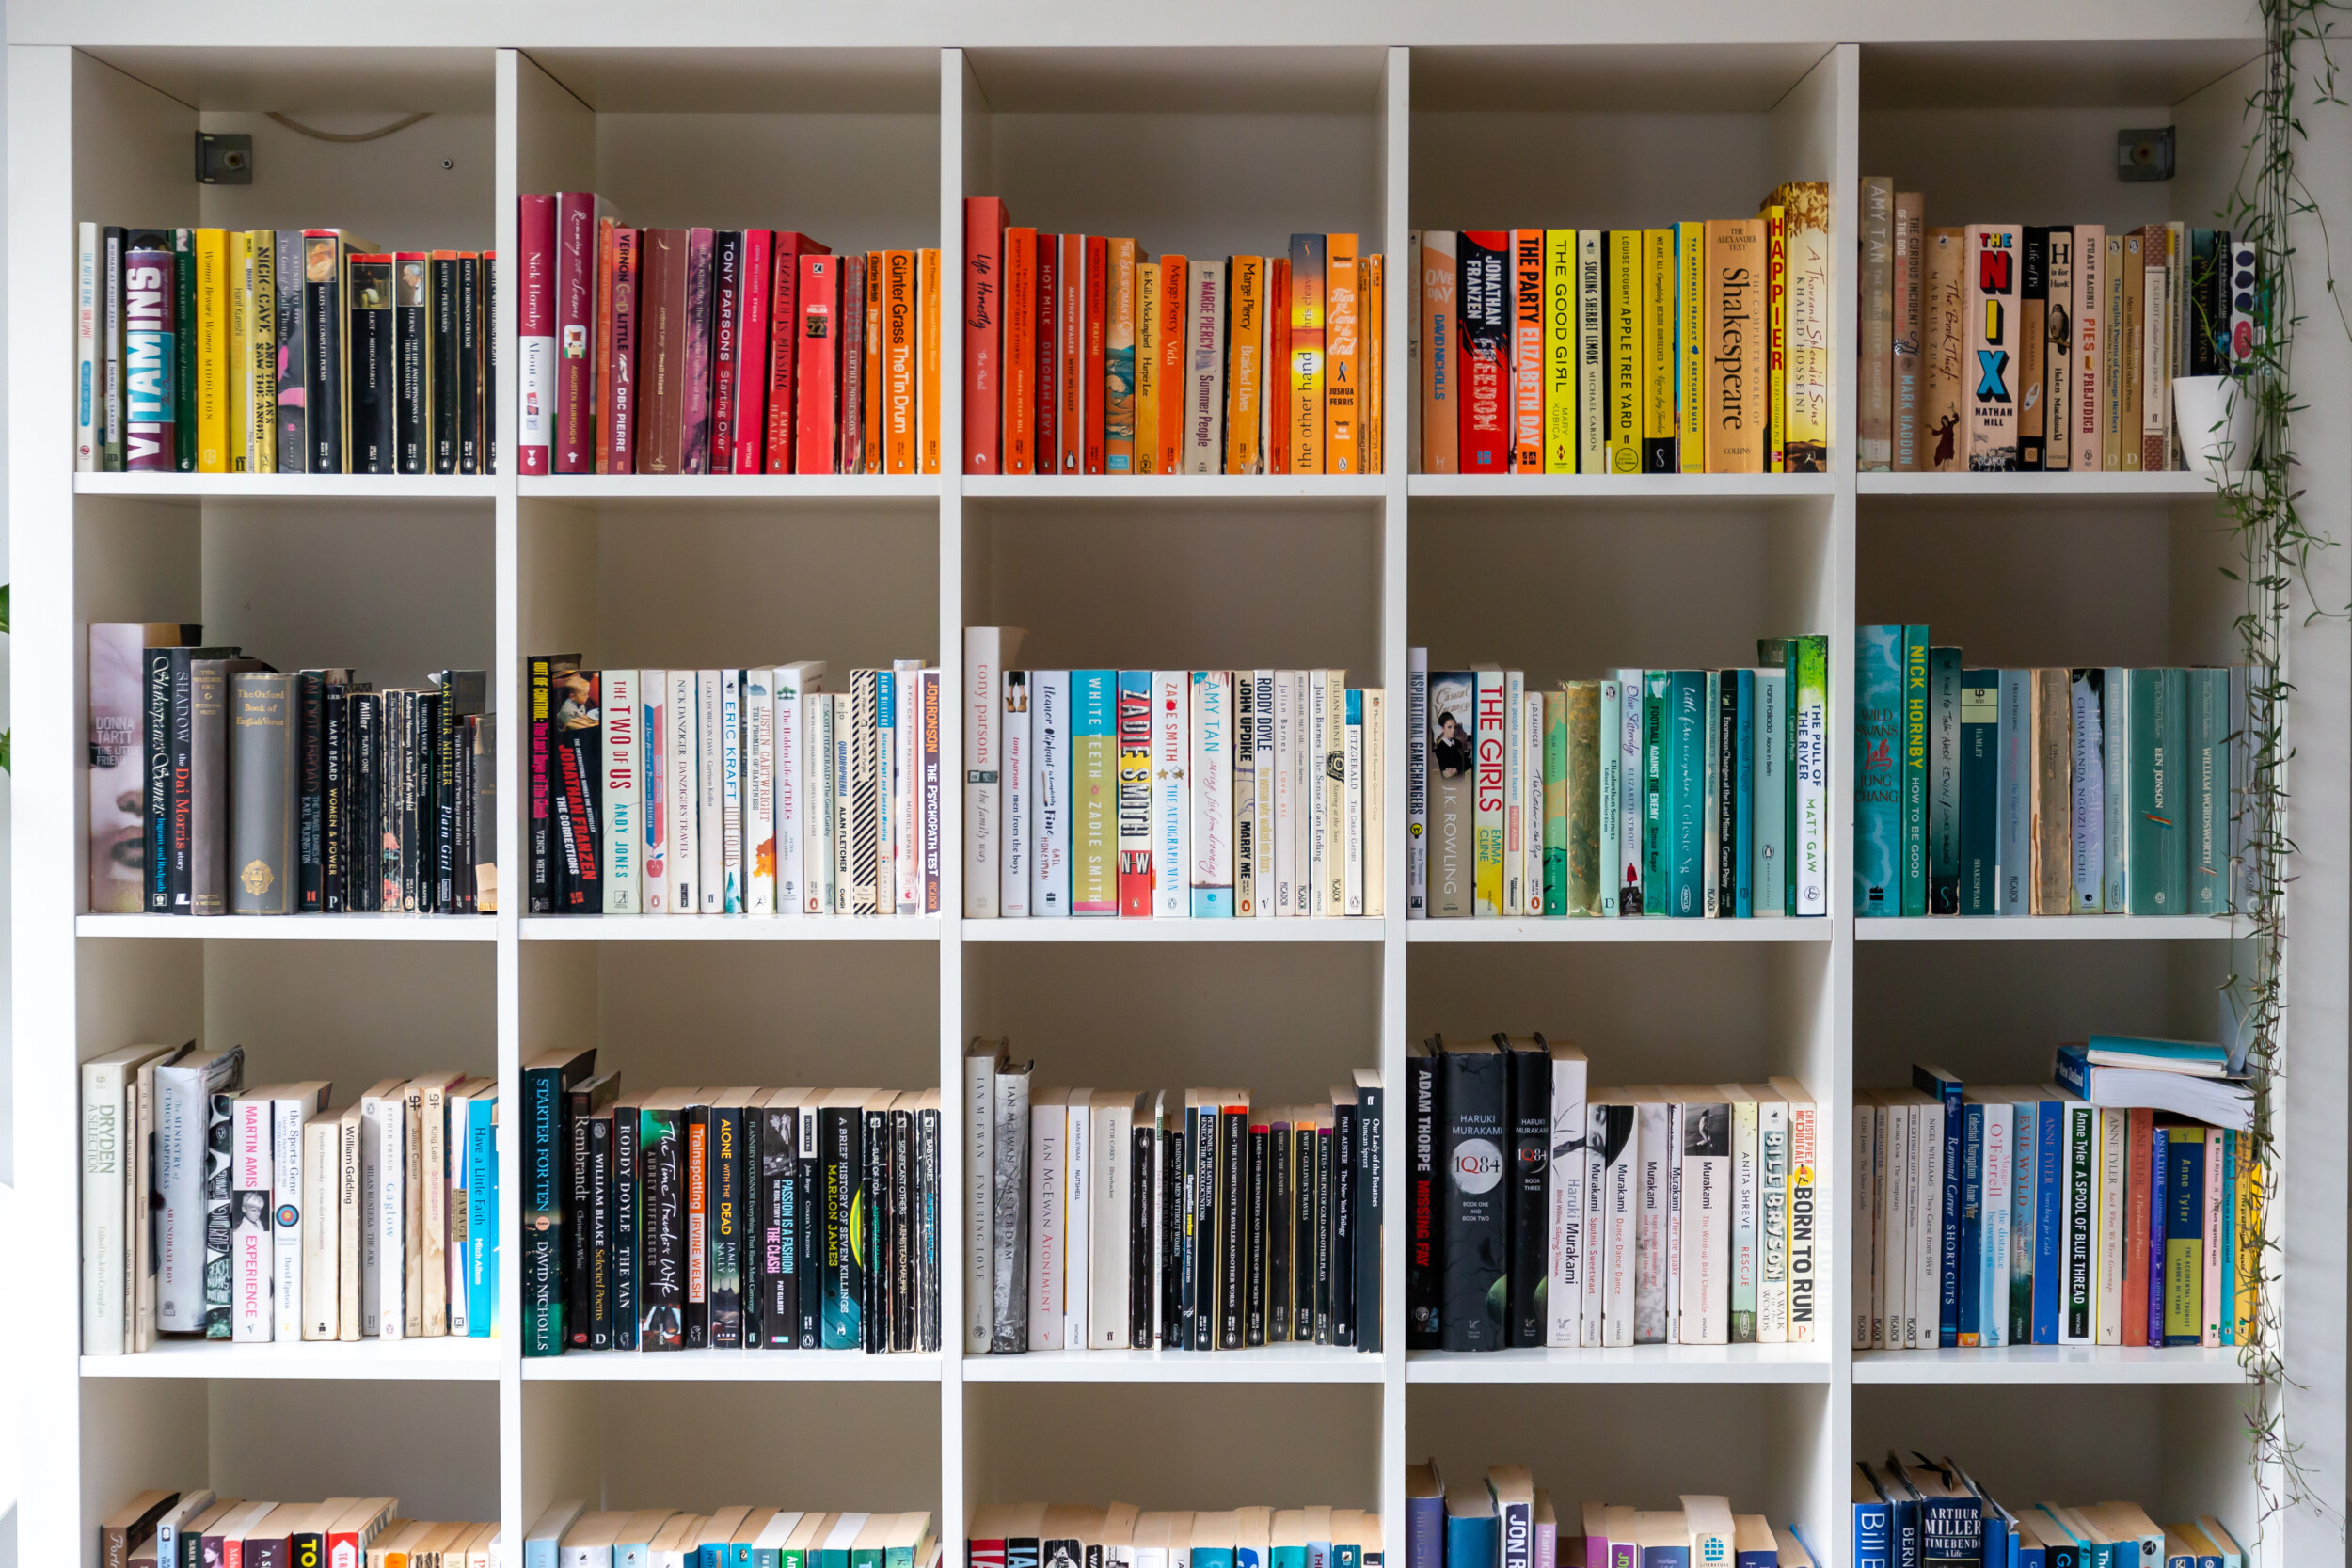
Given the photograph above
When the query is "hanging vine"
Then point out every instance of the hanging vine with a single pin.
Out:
(2274, 549)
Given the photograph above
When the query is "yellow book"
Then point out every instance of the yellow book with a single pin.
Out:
(1370, 457)
(1690, 346)
(930, 361)
(261, 361)
(1624, 419)
(1245, 364)
(1147, 366)
(1777, 336)
(1658, 351)
(238, 364)
(1343, 355)
(2249, 1261)
(211, 328)
(1560, 324)
(1119, 359)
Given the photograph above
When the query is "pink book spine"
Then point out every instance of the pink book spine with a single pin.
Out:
(622, 370)
(535, 332)
(575, 304)
(751, 353)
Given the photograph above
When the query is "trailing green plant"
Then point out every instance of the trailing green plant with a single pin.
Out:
(2274, 546)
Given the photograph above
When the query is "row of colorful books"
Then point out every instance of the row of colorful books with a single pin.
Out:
(1547, 1213)
(1690, 793)
(224, 350)
(2004, 346)
(1505, 1520)
(196, 1528)
(741, 791)
(1084, 356)
(720, 351)
(567, 1535)
(728, 1218)
(2091, 1213)
(1211, 794)
(271, 1213)
(1698, 348)
(1005, 1535)
(1919, 1511)
(2042, 792)
(220, 786)
(1121, 1219)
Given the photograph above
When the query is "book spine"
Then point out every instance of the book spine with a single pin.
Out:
(535, 325)
(1134, 722)
(1417, 782)
(816, 377)
(1876, 378)
(1210, 867)
(622, 764)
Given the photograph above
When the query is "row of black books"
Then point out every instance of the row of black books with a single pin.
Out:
(220, 785)
(1119, 1219)
(727, 1218)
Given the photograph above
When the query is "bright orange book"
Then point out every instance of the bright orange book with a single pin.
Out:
(1175, 277)
(1306, 354)
(930, 328)
(1277, 358)
(1342, 355)
(899, 415)
(1527, 351)
(1373, 449)
(1244, 365)
(1073, 339)
(1095, 377)
(873, 361)
(1119, 360)
(1020, 379)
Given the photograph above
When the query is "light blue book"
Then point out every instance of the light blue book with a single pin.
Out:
(481, 1216)
(540, 1540)
(1770, 804)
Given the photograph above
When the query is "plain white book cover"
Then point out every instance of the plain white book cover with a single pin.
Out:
(760, 845)
(815, 763)
(1210, 774)
(1109, 1261)
(979, 1178)
(1629, 873)
(2114, 1160)
(793, 685)
(1532, 788)
(1621, 1265)
(86, 422)
(1318, 797)
(1611, 783)
(251, 1248)
(2000, 1126)
(1771, 1264)
(906, 786)
(1514, 761)
(988, 651)
(1564, 1291)
(731, 791)
(321, 1153)
(653, 784)
(287, 1196)
(1049, 1124)
(1262, 683)
(1171, 824)
(1417, 775)
(1049, 845)
(1305, 779)
(709, 799)
(624, 835)
(1895, 1224)
(1016, 787)
(1707, 1205)
(1285, 730)
(1077, 1175)
(1865, 1234)
(105, 1201)
(1594, 1248)
(1747, 1201)
(1334, 775)
(682, 801)
(1927, 1224)
(845, 750)
(1351, 825)
(1673, 1222)
(1770, 875)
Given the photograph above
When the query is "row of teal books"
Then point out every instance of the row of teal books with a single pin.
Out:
(1505, 1520)
(1915, 1511)
(742, 1537)
(2043, 791)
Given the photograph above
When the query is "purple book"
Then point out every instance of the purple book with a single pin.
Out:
(148, 359)
(695, 454)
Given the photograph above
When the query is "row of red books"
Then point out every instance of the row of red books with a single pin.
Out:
(726, 351)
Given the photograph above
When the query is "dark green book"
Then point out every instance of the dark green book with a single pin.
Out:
(1654, 685)
(1980, 791)
(1685, 804)
(2207, 791)
(547, 1079)
(1915, 821)
(2158, 874)
(1944, 781)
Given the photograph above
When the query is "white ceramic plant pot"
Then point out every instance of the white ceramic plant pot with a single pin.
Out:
(2215, 415)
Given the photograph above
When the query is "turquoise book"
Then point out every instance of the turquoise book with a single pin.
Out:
(1472, 1533)
(2207, 792)
(1685, 804)
(1655, 691)
(482, 1212)
(1775, 887)
(1914, 769)
(1980, 792)
(2158, 871)
(1212, 1557)
(1878, 660)
(1742, 785)
(1944, 781)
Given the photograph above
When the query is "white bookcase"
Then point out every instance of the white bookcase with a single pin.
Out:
(1201, 133)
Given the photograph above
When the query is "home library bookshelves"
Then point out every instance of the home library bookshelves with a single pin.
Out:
(870, 133)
